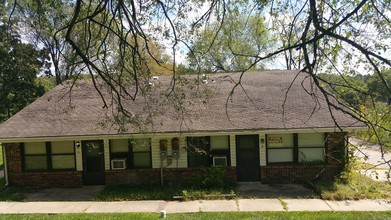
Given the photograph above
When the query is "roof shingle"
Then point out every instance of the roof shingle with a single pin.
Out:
(264, 101)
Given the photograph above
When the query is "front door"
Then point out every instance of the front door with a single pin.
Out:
(247, 158)
(93, 162)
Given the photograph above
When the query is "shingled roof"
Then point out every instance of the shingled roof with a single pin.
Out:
(264, 101)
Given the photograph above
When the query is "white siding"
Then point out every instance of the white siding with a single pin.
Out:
(232, 143)
(106, 150)
(79, 156)
(180, 163)
(262, 150)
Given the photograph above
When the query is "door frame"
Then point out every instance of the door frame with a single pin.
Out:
(257, 167)
(100, 180)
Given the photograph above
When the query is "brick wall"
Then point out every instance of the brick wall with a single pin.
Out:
(287, 173)
(299, 173)
(296, 173)
(336, 149)
(174, 176)
(16, 176)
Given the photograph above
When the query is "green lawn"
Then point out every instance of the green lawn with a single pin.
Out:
(213, 216)
(12, 193)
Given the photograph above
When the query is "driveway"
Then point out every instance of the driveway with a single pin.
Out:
(371, 154)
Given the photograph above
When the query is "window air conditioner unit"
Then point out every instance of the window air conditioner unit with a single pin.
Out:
(118, 164)
(220, 161)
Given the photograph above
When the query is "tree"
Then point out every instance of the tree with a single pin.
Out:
(378, 89)
(40, 21)
(287, 35)
(232, 46)
(352, 90)
(19, 65)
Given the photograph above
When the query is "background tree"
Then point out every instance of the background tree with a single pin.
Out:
(19, 65)
(378, 89)
(232, 45)
(40, 21)
(287, 35)
(351, 90)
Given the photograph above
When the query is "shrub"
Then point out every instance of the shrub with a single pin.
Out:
(212, 177)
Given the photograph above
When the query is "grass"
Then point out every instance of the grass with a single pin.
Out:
(13, 193)
(284, 204)
(122, 193)
(212, 216)
(367, 166)
(358, 187)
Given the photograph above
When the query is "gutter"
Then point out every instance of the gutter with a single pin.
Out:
(187, 133)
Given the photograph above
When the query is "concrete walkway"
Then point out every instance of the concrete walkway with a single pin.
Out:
(240, 205)
(371, 154)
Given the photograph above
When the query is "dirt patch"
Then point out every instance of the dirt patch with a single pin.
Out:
(258, 190)
(86, 193)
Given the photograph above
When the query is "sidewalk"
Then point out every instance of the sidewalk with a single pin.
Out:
(194, 206)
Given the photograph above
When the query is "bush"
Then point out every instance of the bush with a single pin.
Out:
(212, 177)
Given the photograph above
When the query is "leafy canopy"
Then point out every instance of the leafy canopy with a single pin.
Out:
(19, 66)
(232, 45)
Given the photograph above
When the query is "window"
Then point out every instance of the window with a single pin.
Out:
(219, 146)
(63, 155)
(43, 156)
(201, 150)
(198, 152)
(311, 147)
(141, 149)
(35, 156)
(280, 148)
(297, 148)
(219, 142)
(137, 152)
(119, 149)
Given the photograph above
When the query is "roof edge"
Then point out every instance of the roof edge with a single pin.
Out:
(197, 133)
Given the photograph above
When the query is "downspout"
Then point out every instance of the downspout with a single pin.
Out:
(161, 173)
(5, 165)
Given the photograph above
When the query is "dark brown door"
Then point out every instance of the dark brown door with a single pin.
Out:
(247, 158)
(93, 162)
